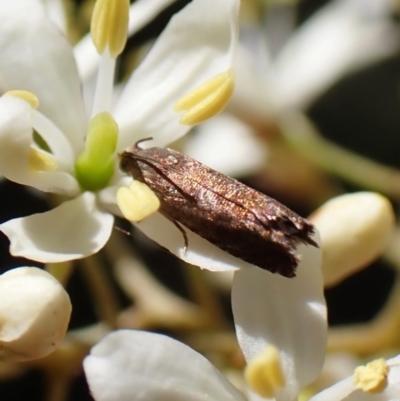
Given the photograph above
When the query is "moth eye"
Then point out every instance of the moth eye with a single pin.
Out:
(171, 160)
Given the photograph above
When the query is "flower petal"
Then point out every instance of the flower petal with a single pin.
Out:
(217, 140)
(197, 44)
(252, 96)
(36, 57)
(107, 196)
(16, 140)
(134, 365)
(290, 314)
(339, 391)
(342, 36)
(73, 230)
(199, 252)
(57, 13)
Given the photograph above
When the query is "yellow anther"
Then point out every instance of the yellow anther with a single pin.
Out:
(137, 202)
(25, 95)
(207, 100)
(41, 161)
(264, 374)
(371, 378)
(109, 25)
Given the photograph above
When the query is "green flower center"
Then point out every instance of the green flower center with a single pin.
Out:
(95, 166)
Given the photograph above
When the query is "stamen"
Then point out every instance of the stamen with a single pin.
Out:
(25, 95)
(109, 25)
(137, 202)
(95, 166)
(41, 161)
(104, 85)
(207, 100)
(264, 374)
(371, 378)
(55, 140)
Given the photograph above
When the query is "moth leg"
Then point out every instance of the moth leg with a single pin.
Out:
(185, 238)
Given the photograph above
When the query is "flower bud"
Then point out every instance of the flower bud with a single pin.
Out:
(355, 229)
(34, 314)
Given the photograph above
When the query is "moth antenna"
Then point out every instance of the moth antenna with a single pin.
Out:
(142, 140)
(121, 230)
(185, 238)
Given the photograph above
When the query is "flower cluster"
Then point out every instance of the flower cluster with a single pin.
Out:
(79, 158)
(57, 139)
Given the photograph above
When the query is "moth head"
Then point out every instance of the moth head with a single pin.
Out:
(129, 165)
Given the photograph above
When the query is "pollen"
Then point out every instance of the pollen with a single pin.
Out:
(137, 202)
(41, 161)
(371, 378)
(207, 100)
(264, 374)
(25, 95)
(109, 25)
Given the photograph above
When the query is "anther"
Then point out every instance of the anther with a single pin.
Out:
(207, 100)
(137, 202)
(109, 25)
(41, 161)
(264, 374)
(371, 378)
(25, 95)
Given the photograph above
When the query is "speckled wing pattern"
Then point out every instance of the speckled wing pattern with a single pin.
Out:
(234, 217)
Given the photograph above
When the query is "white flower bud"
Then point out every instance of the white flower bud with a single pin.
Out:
(354, 229)
(34, 314)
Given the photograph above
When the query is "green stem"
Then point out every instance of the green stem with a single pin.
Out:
(359, 170)
(105, 299)
(61, 271)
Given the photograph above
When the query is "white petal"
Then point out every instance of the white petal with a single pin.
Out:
(73, 230)
(16, 140)
(215, 141)
(337, 392)
(36, 57)
(197, 44)
(130, 365)
(107, 196)
(344, 35)
(141, 12)
(57, 13)
(287, 313)
(199, 253)
(337, 366)
(392, 390)
(253, 94)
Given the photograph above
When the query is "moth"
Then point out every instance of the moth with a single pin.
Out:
(236, 218)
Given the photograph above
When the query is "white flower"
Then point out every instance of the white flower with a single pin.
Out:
(132, 365)
(342, 36)
(197, 45)
(34, 313)
(289, 314)
(355, 229)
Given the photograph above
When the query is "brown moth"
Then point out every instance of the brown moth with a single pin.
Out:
(237, 219)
